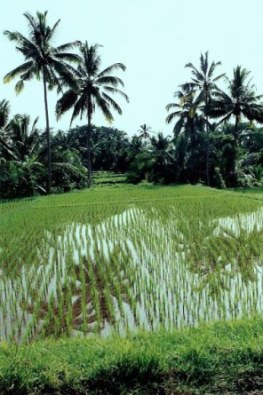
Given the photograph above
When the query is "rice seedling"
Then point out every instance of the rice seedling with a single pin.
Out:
(117, 260)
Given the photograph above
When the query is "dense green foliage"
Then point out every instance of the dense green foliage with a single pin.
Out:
(22, 154)
(158, 159)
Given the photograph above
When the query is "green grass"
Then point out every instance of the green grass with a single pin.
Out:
(253, 193)
(224, 357)
(102, 178)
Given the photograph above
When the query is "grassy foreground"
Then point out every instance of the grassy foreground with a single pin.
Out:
(225, 358)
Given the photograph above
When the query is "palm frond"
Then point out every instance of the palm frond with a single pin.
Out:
(18, 71)
(80, 107)
(116, 91)
(67, 46)
(104, 106)
(114, 81)
(113, 67)
(67, 56)
(219, 77)
(19, 86)
(52, 31)
(66, 102)
(212, 68)
(112, 102)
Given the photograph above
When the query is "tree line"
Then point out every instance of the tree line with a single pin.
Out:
(217, 138)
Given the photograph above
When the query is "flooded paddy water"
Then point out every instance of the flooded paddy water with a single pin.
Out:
(143, 267)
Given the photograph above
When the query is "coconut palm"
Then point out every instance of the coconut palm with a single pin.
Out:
(93, 90)
(4, 121)
(4, 114)
(205, 84)
(186, 113)
(161, 148)
(22, 171)
(144, 131)
(241, 101)
(24, 139)
(42, 61)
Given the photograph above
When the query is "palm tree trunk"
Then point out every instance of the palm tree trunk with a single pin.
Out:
(207, 143)
(207, 157)
(234, 182)
(49, 175)
(236, 130)
(88, 137)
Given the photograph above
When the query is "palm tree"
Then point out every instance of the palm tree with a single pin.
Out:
(25, 139)
(42, 61)
(23, 170)
(4, 113)
(162, 157)
(186, 110)
(161, 148)
(4, 121)
(144, 131)
(188, 135)
(241, 101)
(204, 82)
(93, 90)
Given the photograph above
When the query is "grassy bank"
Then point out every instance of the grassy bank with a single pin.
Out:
(225, 357)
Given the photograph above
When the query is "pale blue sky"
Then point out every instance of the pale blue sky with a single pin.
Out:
(153, 38)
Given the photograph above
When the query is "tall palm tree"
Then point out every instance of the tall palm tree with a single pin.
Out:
(204, 82)
(42, 61)
(93, 90)
(188, 133)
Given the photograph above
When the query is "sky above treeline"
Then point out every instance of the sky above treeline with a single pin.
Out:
(153, 38)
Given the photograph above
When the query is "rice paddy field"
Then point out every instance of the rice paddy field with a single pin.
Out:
(117, 260)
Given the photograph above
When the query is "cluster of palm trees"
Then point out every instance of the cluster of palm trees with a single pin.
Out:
(205, 146)
(23, 158)
(87, 87)
(201, 101)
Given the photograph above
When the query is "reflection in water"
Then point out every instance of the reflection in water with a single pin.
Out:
(135, 270)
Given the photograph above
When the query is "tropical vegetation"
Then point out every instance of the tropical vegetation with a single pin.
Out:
(168, 271)
(205, 146)
(42, 61)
